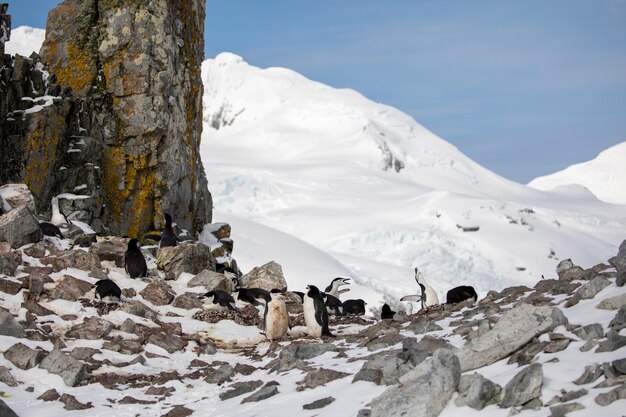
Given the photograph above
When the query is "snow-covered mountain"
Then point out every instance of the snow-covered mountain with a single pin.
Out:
(368, 185)
(25, 40)
(603, 176)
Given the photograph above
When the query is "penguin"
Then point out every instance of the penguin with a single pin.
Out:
(105, 288)
(168, 237)
(134, 262)
(461, 293)
(429, 296)
(220, 300)
(333, 304)
(300, 294)
(410, 299)
(354, 307)
(50, 229)
(254, 296)
(334, 287)
(387, 312)
(57, 218)
(276, 317)
(315, 314)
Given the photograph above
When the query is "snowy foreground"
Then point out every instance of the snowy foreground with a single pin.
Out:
(199, 369)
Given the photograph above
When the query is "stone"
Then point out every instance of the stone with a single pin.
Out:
(619, 263)
(9, 260)
(265, 392)
(76, 258)
(268, 277)
(70, 289)
(137, 308)
(321, 403)
(240, 388)
(169, 342)
(63, 365)
(555, 286)
(6, 377)
(562, 409)
(591, 373)
(9, 286)
(620, 365)
(589, 289)
(24, 357)
(36, 283)
(220, 375)
(524, 387)
(590, 331)
(618, 393)
(424, 391)
(178, 411)
(113, 249)
(188, 301)
(567, 271)
(477, 392)
(92, 328)
(526, 355)
(9, 326)
(84, 353)
(513, 330)
(244, 369)
(50, 395)
(613, 342)
(321, 376)
(212, 280)
(619, 321)
(557, 345)
(18, 195)
(612, 303)
(71, 403)
(6, 411)
(158, 292)
(190, 257)
(126, 347)
(293, 355)
(19, 227)
(369, 374)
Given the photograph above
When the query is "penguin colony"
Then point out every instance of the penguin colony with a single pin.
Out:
(317, 305)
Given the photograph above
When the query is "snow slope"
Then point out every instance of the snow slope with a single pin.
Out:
(368, 185)
(25, 40)
(603, 176)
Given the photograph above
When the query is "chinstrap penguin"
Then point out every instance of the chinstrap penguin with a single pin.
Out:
(461, 293)
(254, 296)
(354, 307)
(134, 261)
(333, 304)
(107, 288)
(386, 312)
(334, 288)
(218, 299)
(168, 237)
(276, 317)
(315, 314)
(50, 229)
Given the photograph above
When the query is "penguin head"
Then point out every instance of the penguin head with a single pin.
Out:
(386, 308)
(210, 296)
(132, 244)
(313, 291)
(168, 220)
(276, 294)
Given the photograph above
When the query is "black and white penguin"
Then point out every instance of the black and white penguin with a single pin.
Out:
(50, 229)
(276, 317)
(387, 312)
(429, 296)
(333, 304)
(168, 237)
(220, 300)
(254, 296)
(315, 314)
(107, 288)
(461, 293)
(354, 307)
(134, 262)
(58, 218)
(334, 288)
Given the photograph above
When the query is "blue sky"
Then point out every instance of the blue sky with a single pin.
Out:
(525, 88)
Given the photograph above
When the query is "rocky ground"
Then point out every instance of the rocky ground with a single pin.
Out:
(554, 349)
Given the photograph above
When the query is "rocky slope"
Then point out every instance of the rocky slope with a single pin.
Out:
(552, 349)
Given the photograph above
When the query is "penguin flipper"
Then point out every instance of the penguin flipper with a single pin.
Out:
(320, 309)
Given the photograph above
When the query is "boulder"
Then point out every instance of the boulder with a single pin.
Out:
(7, 378)
(212, 280)
(524, 387)
(19, 227)
(169, 342)
(6, 411)
(24, 357)
(93, 328)
(424, 391)
(513, 330)
(266, 391)
(76, 258)
(619, 263)
(477, 392)
(137, 308)
(589, 289)
(158, 293)
(18, 195)
(70, 288)
(293, 356)
(555, 286)
(9, 260)
(223, 373)
(321, 376)
(188, 301)
(9, 286)
(113, 249)
(9, 326)
(63, 365)
(268, 277)
(190, 257)
(321, 403)
(619, 321)
(612, 303)
(240, 388)
(567, 271)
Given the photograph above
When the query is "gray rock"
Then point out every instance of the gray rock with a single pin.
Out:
(9, 326)
(424, 391)
(620, 366)
(190, 257)
(321, 376)
(188, 301)
(567, 271)
(268, 390)
(267, 277)
(613, 342)
(68, 368)
(619, 261)
(169, 342)
(321, 403)
(612, 303)
(591, 373)
(220, 375)
(293, 356)
(240, 388)
(555, 286)
(557, 345)
(76, 258)
(567, 396)
(126, 347)
(526, 355)
(6, 411)
(524, 387)
(9, 260)
(212, 280)
(24, 357)
(137, 308)
(562, 409)
(158, 292)
(477, 392)
(514, 329)
(369, 374)
(70, 289)
(19, 195)
(50, 395)
(71, 403)
(19, 227)
(6, 377)
(618, 393)
(113, 249)
(9, 286)
(178, 411)
(591, 288)
(93, 328)
(619, 321)
(590, 331)
(84, 353)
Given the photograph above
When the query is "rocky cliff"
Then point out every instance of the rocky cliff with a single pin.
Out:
(114, 115)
